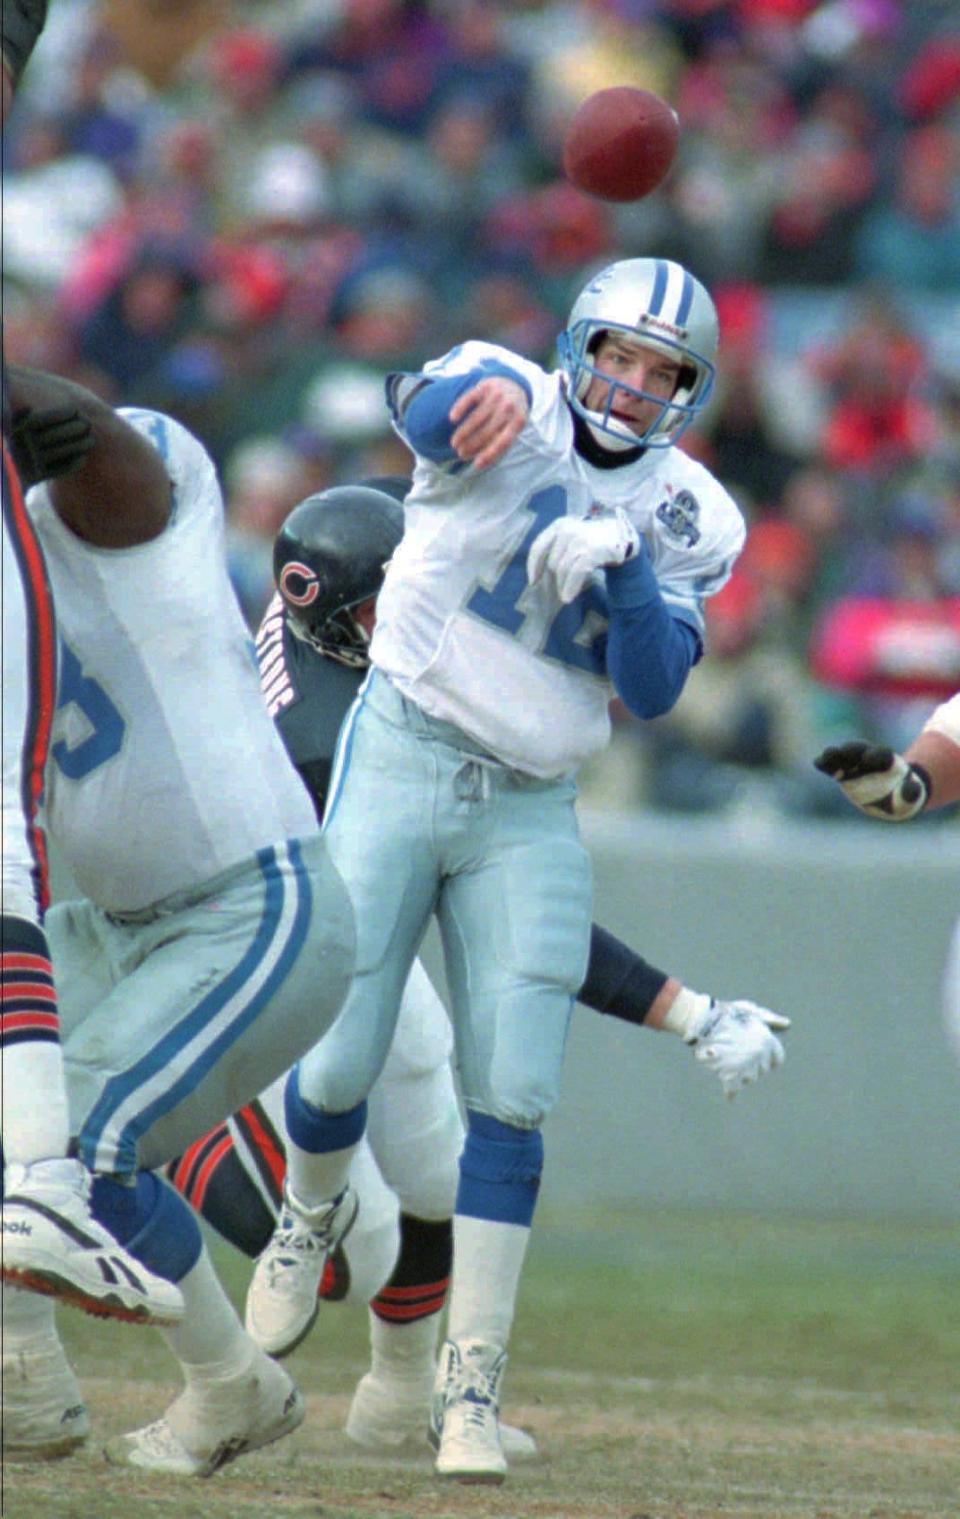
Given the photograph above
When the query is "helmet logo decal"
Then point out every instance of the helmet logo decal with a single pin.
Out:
(298, 584)
(646, 320)
(679, 516)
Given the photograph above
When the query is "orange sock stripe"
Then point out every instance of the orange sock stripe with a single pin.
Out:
(395, 1314)
(27, 1018)
(28, 991)
(260, 1137)
(21, 960)
(202, 1179)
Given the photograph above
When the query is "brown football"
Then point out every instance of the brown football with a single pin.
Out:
(620, 143)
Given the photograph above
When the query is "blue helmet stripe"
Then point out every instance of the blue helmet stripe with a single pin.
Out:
(686, 300)
(659, 287)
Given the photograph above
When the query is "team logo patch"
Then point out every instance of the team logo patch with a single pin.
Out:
(679, 515)
(298, 584)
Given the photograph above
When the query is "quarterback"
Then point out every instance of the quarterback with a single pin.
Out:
(313, 648)
(557, 550)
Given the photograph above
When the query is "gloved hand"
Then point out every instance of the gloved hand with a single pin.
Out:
(571, 548)
(736, 1040)
(49, 442)
(882, 784)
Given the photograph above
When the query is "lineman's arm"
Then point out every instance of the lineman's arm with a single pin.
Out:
(939, 756)
(23, 21)
(896, 787)
(118, 494)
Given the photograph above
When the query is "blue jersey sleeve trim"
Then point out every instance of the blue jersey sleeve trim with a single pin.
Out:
(650, 650)
(422, 412)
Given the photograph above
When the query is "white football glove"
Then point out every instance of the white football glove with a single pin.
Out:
(736, 1040)
(571, 548)
(880, 783)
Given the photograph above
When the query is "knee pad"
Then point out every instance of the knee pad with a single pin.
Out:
(151, 1220)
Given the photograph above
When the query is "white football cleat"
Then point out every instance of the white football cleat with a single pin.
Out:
(53, 1245)
(44, 1415)
(282, 1297)
(213, 1423)
(393, 1413)
(464, 1412)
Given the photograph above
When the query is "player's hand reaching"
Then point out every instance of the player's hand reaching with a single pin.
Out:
(878, 781)
(49, 442)
(488, 418)
(571, 548)
(736, 1040)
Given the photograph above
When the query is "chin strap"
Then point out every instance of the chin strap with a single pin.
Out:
(601, 456)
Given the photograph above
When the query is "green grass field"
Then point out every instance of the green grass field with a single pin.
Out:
(671, 1366)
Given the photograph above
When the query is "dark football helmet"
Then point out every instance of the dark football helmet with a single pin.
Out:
(329, 557)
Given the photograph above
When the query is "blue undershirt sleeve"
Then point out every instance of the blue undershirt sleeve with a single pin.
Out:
(425, 417)
(650, 651)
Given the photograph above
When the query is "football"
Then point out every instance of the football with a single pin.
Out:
(620, 143)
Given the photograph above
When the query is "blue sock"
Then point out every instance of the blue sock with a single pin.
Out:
(151, 1221)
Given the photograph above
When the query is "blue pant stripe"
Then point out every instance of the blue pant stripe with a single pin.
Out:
(163, 1054)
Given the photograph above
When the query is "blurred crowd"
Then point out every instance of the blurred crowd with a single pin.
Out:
(246, 213)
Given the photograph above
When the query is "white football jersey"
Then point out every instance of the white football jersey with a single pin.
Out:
(165, 767)
(459, 628)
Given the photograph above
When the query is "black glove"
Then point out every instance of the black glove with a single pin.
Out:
(882, 784)
(49, 442)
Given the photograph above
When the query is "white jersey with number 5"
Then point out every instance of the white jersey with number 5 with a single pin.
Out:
(462, 632)
(161, 736)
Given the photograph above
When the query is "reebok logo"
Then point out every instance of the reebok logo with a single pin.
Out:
(15, 1226)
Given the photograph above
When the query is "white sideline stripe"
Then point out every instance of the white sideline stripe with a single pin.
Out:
(805, 1389)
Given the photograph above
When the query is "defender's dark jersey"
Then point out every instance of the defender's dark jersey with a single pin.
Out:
(308, 696)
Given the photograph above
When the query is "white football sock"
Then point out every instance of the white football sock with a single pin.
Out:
(25, 1316)
(316, 1179)
(487, 1262)
(34, 1102)
(210, 1337)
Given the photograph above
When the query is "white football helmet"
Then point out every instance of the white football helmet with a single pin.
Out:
(659, 304)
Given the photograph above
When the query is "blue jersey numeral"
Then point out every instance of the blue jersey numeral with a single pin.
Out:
(576, 635)
(107, 726)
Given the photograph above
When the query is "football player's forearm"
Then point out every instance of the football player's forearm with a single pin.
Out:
(423, 409)
(650, 652)
(940, 758)
(122, 477)
(23, 21)
(620, 982)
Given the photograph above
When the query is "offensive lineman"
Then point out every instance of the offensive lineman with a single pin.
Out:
(557, 548)
(215, 941)
(51, 1243)
(329, 560)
